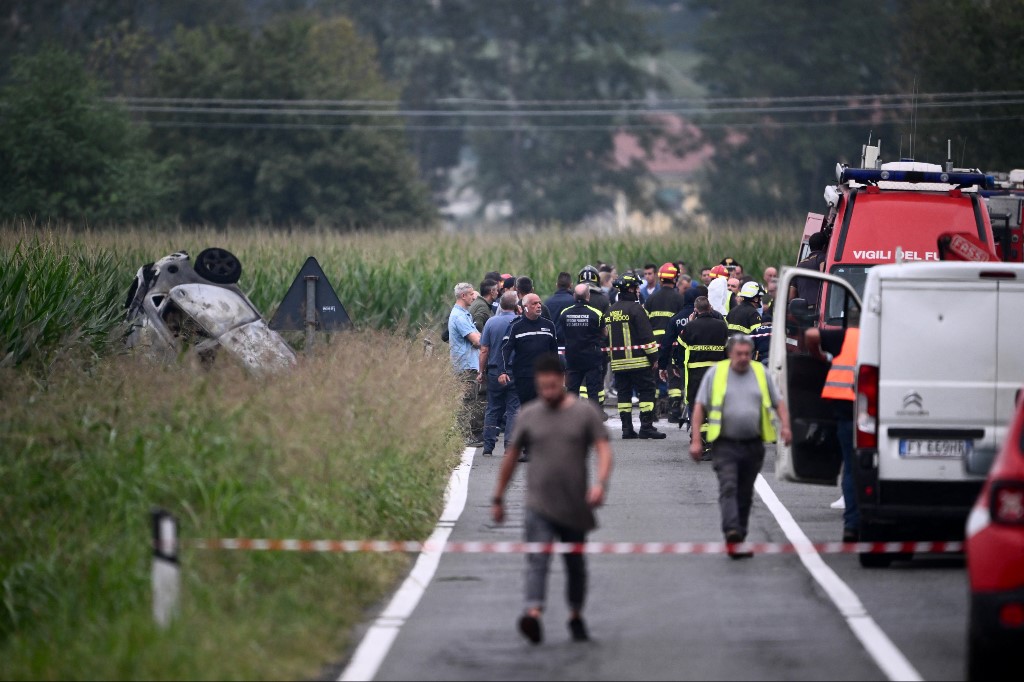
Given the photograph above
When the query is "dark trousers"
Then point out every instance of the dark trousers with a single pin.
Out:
(474, 401)
(737, 463)
(542, 529)
(640, 380)
(844, 431)
(502, 407)
(592, 378)
(525, 387)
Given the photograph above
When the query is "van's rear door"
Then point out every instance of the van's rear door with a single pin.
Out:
(815, 455)
(1009, 352)
(937, 373)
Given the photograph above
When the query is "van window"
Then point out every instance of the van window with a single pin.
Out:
(837, 303)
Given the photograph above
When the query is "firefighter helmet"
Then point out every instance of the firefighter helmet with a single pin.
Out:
(719, 271)
(668, 271)
(589, 274)
(627, 282)
(750, 290)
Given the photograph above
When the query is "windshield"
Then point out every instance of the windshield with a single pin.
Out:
(836, 303)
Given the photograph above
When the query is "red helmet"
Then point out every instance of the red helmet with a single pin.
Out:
(668, 271)
(719, 271)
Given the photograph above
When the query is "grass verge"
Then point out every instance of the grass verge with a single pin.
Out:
(357, 442)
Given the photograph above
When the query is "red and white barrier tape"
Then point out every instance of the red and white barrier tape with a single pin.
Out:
(662, 548)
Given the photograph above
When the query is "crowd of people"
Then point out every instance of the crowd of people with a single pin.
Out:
(540, 371)
(620, 336)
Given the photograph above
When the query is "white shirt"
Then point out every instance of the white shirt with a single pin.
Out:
(718, 294)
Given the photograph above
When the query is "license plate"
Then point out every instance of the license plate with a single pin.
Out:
(934, 448)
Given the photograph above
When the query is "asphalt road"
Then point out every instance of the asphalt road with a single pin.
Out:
(676, 617)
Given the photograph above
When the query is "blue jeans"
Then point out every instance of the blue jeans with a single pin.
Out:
(501, 401)
(844, 431)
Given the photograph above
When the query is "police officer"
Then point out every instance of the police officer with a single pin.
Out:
(701, 343)
(529, 336)
(745, 318)
(662, 306)
(581, 330)
(632, 352)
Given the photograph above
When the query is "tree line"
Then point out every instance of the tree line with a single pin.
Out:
(353, 114)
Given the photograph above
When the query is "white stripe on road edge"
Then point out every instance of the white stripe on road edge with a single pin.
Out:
(878, 645)
(367, 659)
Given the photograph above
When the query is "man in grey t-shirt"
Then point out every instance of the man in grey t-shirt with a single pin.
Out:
(559, 430)
(737, 432)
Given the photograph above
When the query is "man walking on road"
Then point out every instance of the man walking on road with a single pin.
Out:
(559, 429)
(738, 396)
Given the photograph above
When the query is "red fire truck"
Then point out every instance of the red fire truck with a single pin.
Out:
(897, 211)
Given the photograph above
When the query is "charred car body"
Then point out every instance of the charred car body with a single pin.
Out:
(175, 307)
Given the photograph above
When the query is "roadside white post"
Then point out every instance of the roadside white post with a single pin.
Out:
(166, 569)
(310, 312)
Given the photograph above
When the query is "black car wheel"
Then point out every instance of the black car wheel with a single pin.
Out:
(218, 266)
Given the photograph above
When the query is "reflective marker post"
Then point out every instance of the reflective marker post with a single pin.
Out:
(166, 576)
(311, 281)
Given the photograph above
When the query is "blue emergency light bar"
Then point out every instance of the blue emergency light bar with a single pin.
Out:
(872, 176)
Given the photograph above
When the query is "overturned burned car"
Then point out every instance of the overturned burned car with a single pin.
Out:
(175, 307)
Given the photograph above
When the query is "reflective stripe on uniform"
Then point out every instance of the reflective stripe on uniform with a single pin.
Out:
(742, 329)
(840, 381)
(646, 407)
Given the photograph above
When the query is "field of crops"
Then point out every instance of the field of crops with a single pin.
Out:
(356, 442)
(62, 286)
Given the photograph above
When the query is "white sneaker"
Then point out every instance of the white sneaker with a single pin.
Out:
(636, 401)
(839, 504)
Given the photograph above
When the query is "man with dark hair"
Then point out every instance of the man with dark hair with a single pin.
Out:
(562, 298)
(803, 287)
(559, 429)
(699, 345)
(524, 286)
(650, 284)
(705, 275)
(481, 309)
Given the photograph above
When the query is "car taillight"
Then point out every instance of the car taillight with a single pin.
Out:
(867, 407)
(1012, 615)
(1007, 502)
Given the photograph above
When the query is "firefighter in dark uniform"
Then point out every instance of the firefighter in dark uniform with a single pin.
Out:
(581, 331)
(745, 318)
(662, 306)
(632, 353)
(590, 276)
(700, 345)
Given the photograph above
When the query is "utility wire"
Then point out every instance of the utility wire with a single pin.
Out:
(561, 128)
(561, 113)
(611, 102)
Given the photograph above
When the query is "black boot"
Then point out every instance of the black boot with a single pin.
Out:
(647, 429)
(675, 411)
(627, 425)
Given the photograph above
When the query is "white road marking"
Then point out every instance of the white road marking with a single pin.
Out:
(878, 645)
(376, 644)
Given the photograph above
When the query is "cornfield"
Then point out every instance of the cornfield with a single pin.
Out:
(62, 287)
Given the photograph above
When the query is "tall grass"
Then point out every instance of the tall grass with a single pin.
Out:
(385, 280)
(356, 442)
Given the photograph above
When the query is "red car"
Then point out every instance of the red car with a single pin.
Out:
(995, 564)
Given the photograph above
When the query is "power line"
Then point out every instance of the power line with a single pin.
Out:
(646, 102)
(558, 128)
(561, 113)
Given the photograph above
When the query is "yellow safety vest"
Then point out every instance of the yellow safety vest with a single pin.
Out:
(718, 386)
(840, 381)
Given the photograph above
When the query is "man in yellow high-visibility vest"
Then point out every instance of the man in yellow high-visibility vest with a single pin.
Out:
(738, 396)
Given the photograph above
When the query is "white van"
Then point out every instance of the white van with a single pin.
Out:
(940, 361)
